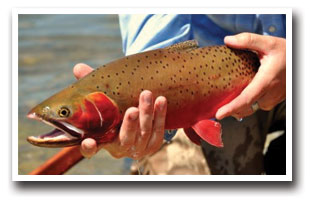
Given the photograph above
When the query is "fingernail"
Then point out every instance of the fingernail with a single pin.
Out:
(134, 116)
(230, 39)
(87, 146)
(147, 98)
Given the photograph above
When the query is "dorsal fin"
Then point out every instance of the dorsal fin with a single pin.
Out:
(183, 46)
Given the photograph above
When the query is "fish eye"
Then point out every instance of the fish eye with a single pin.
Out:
(64, 112)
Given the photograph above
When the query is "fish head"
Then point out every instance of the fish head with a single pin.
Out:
(76, 116)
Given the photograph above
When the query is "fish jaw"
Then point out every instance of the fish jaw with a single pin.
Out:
(96, 116)
(63, 135)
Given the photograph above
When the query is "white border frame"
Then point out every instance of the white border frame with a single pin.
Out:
(17, 177)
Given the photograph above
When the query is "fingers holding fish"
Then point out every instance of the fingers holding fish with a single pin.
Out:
(241, 106)
(268, 86)
(146, 135)
(146, 112)
(88, 147)
(129, 129)
(80, 70)
(157, 137)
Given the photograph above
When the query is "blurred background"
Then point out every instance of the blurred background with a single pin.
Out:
(48, 48)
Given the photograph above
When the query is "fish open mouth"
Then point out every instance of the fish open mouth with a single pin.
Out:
(63, 135)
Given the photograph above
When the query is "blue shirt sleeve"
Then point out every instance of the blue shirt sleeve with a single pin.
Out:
(146, 32)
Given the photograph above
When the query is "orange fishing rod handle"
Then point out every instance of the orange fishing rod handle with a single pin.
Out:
(60, 162)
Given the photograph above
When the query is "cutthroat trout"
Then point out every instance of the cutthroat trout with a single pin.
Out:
(196, 82)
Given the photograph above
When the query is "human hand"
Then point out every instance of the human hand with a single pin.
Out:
(141, 132)
(268, 87)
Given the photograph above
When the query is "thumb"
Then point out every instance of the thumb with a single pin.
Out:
(88, 147)
(249, 41)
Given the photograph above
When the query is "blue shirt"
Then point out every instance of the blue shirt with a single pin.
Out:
(147, 32)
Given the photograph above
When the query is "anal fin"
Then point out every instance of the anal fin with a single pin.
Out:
(208, 130)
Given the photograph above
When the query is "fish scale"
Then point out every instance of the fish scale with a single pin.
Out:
(195, 81)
